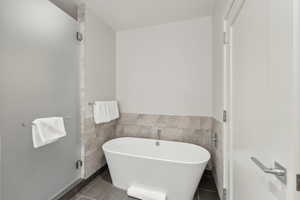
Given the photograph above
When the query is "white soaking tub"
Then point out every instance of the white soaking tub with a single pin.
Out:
(171, 168)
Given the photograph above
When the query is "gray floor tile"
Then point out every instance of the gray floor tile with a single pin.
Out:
(90, 185)
(98, 190)
(106, 176)
(79, 197)
(129, 198)
(207, 182)
(114, 194)
(206, 195)
(102, 189)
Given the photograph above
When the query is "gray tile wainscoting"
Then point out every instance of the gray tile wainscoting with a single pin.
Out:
(217, 155)
(93, 137)
(197, 130)
(190, 129)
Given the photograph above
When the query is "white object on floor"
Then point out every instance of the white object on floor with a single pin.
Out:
(142, 193)
(171, 167)
(105, 111)
(47, 130)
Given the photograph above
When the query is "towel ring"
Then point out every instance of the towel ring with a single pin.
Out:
(32, 124)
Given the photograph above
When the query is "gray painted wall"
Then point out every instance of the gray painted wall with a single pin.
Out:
(38, 78)
(68, 6)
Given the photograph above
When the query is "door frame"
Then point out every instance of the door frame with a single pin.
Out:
(232, 11)
(296, 64)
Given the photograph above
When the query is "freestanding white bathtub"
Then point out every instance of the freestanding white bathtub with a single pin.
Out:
(172, 168)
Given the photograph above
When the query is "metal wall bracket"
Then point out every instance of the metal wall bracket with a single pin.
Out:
(214, 139)
(283, 177)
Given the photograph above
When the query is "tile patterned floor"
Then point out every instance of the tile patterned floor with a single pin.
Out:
(102, 189)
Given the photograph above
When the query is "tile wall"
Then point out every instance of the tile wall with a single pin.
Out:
(217, 155)
(190, 129)
(93, 137)
(197, 130)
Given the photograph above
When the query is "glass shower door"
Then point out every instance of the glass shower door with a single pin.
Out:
(39, 69)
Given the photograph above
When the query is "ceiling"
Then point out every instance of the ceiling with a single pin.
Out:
(127, 14)
(69, 6)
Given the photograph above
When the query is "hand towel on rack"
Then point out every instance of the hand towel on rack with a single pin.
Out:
(105, 111)
(114, 111)
(47, 130)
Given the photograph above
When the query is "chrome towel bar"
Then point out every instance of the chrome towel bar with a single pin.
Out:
(279, 171)
(93, 103)
(30, 124)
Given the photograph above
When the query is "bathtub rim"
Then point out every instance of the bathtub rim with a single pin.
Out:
(154, 158)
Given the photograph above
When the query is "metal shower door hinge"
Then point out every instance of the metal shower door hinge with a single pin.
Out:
(78, 164)
(225, 38)
(79, 36)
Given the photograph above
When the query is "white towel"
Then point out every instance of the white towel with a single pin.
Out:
(145, 194)
(47, 130)
(105, 111)
(114, 110)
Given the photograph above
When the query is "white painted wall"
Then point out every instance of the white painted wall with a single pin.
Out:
(218, 64)
(166, 69)
(100, 70)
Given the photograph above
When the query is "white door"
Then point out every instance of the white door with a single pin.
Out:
(262, 98)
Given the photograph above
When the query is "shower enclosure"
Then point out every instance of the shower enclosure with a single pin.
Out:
(38, 78)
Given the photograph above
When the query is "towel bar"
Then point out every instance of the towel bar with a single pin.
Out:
(27, 124)
(93, 103)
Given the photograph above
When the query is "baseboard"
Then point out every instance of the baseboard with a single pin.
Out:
(74, 188)
(66, 190)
